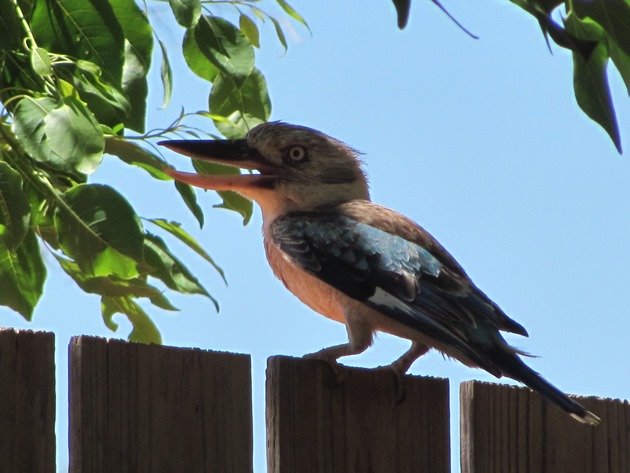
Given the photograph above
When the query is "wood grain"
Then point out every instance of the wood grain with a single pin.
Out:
(317, 423)
(508, 429)
(146, 408)
(27, 401)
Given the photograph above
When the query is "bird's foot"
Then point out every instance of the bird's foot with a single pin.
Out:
(402, 365)
(337, 370)
(399, 381)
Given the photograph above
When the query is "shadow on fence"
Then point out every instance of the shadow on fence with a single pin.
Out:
(149, 409)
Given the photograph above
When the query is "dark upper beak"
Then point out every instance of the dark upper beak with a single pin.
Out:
(235, 153)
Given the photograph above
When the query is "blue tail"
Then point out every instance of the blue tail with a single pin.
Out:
(512, 366)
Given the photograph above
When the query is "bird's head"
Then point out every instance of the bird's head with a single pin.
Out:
(299, 168)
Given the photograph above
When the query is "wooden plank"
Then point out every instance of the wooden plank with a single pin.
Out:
(318, 424)
(147, 409)
(508, 429)
(27, 401)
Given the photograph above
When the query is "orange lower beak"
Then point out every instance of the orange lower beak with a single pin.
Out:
(233, 182)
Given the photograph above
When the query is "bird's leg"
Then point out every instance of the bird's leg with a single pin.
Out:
(402, 365)
(330, 356)
(359, 338)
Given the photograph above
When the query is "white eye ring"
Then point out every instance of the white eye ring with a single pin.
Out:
(296, 154)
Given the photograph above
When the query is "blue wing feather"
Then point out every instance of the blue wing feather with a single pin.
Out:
(393, 275)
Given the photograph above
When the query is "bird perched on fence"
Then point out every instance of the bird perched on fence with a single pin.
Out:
(357, 262)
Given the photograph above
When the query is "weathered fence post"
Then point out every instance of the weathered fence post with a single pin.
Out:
(148, 409)
(507, 429)
(319, 424)
(27, 401)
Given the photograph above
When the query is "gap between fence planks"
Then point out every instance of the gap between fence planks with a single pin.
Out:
(318, 424)
(507, 429)
(148, 409)
(27, 401)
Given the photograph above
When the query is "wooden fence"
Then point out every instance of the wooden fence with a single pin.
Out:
(151, 409)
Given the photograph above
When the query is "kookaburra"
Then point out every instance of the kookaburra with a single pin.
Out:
(357, 262)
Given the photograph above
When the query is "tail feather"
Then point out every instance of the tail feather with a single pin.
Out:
(512, 366)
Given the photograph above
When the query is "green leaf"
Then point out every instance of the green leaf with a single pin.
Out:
(281, 37)
(225, 46)
(107, 103)
(134, 154)
(10, 30)
(237, 203)
(195, 58)
(100, 231)
(22, 276)
(15, 211)
(113, 286)
(190, 199)
(42, 215)
(589, 77)
(83, 30)
(161, 301)
(214, 169)
(29, 127)
(136, 28)
(614, 17)
(175, 229)
(166, 73)
(542, 11)
(292, 12)
(63, 135)
(187, 12)
(249, 29)
(543, 6)
(531, 6)
(74, 136)
(259, 13)
(144, 330)
(548, 5)
(172, 272)
(40, 61)
(137, 58)
(136, 89)
(244, 103)
(66, 88)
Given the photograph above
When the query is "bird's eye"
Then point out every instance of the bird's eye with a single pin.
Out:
(296, 154)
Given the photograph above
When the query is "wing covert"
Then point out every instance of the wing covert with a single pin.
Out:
(359, 258)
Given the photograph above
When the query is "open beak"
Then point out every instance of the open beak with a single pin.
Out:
(236, 153)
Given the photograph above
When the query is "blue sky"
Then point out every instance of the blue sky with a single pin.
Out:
(481, 142)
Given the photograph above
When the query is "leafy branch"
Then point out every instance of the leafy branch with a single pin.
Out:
(595, 31)
(73, 86)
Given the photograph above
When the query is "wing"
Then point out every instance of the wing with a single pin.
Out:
(453, 279)
(394, 275)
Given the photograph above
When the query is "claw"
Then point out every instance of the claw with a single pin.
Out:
(337, 370)
(401, 392)
(399, 380)
(402, 365)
